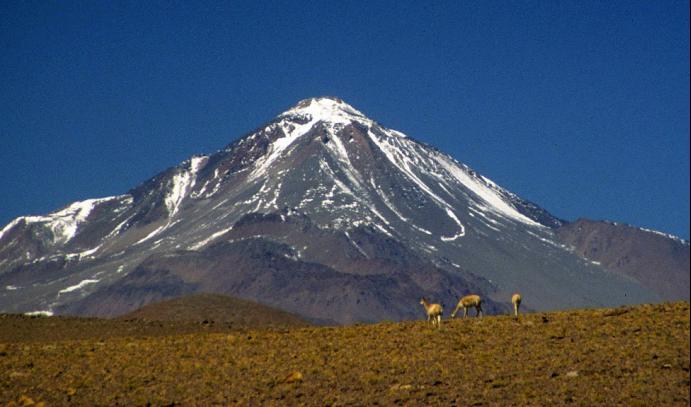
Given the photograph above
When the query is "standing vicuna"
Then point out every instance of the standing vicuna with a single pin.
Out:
(467, 302)
(434, 312)
(516, 301)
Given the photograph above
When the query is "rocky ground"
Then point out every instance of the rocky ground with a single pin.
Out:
(626, 356)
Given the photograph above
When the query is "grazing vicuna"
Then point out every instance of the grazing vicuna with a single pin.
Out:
(434, 312)
(467, 302)
(516, 301)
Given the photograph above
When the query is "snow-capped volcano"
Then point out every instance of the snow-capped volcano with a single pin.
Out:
(323, 212)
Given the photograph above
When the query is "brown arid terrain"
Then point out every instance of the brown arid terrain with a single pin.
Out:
(216, 309)
(629, 356)
(198, 313)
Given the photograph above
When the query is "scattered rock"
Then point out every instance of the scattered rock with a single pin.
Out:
(293, 377)
(615, 312)
(397, 387)
(573, 373)
(25, 400)
(666, 366)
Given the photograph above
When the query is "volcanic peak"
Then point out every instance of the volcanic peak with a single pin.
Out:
(326, 109)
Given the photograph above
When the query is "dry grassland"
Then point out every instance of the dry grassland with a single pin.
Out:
(634, 356)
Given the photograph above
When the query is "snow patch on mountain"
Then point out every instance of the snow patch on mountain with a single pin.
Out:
(11, 225)
(82, 254)
(182, 183)
(340, 152)
(545, 240)
(202, 193)
(326, 109)
(63, 223)
(75, 287)
(495, 202)
(298, 121)
(388, 202)
(209, 239)
(117, 229)
(667, 235)
(153, 233)
(292, 131)
(395, 152)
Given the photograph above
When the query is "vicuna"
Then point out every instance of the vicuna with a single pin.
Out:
(467, 302)
(434, 312)
(516, 301)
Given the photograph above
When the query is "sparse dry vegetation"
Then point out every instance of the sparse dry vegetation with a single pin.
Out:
(626, 356)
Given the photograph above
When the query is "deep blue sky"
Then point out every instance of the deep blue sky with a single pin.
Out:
(581, 107)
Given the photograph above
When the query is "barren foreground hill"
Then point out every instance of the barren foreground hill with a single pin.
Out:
(625, 356)
(214, 308)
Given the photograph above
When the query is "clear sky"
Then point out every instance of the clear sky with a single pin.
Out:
(579, 106)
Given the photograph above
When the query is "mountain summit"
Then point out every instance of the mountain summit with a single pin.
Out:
(327, 109)
(322, 212)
